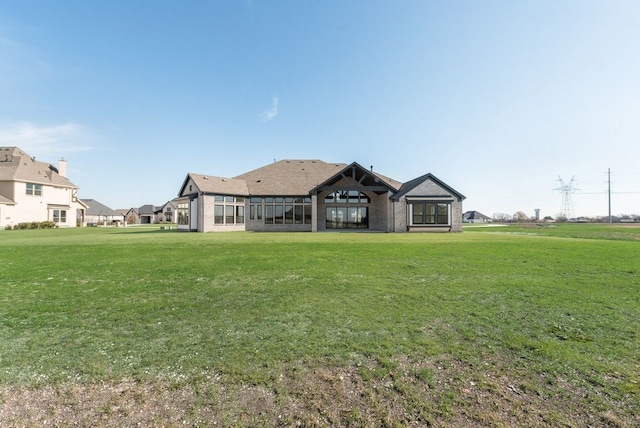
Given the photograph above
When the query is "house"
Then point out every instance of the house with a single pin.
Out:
(147, 214)
(36, 191)
(167, 213)
(475, 217)
(312, 195)
(100, 214)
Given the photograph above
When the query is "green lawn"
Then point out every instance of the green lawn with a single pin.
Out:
(493, 326)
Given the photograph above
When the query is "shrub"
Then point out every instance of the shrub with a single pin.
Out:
(34, 225)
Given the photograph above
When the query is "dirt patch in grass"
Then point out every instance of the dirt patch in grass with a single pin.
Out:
(374, 393)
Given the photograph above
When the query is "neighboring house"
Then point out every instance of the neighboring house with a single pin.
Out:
(124, 212)
(168, 213)
(147, 214)
(312, 195)
(475, 217)
(130, 215)
(100, 214)
(36, 191)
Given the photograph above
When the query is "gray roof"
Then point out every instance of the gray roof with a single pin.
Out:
(289, 177)
(16, 165)
(96, 208)
(473, 215)
(146, 210)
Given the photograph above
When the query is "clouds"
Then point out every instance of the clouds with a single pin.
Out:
(271, 113)
(57, 138)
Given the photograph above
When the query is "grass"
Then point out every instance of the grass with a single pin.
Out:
(495, 327)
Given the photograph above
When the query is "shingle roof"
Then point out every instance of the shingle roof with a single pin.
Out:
(289, 177)
(96, 208)
(219, 185)
(146, 209)
(16, 165)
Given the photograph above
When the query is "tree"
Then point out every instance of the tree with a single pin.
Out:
(520, 217)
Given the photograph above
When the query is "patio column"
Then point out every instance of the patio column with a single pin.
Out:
(314, 212)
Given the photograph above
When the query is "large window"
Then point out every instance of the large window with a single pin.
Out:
(183, 213)
(228, 210)
(429, 213)
(347, 210)
(34, 189)
(347, 217)
(281, 209)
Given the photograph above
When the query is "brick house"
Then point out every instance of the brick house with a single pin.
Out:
(312, 195)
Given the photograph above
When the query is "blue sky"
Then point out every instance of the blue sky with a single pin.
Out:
(496, 98)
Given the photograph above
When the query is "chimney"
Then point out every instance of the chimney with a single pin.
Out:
(62, 168)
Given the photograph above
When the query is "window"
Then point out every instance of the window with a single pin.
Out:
(349, 212)
(218, 214)
(239, 214)
(34, 189)
(347, 197)
(347, 218)
(229, 214)
(183, 213)
(281, 210)
(59, 216)
(229, 210)
(429, 213)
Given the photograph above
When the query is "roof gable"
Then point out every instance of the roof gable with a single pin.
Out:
(213, 184)
(357, 175)
(412, 184)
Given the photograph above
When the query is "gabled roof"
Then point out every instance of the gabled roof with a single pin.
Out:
(217, 185)
(169, 204)
(289, 177)
(412, 184)
(357, 174)
(96, 208)
(16, 165)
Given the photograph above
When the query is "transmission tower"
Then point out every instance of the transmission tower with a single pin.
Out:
(567, 188)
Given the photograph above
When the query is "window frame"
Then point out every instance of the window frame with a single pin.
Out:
(432, 213)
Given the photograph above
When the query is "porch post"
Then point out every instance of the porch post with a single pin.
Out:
(314, 212)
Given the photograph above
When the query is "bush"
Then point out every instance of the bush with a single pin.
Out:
(34, 225)
(8, 227)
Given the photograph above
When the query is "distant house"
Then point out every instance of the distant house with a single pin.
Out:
(147, 214)
(100, 214)
(36, 191)
(475, 217)
(168, 212)
(312, 195)
(130, 215)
